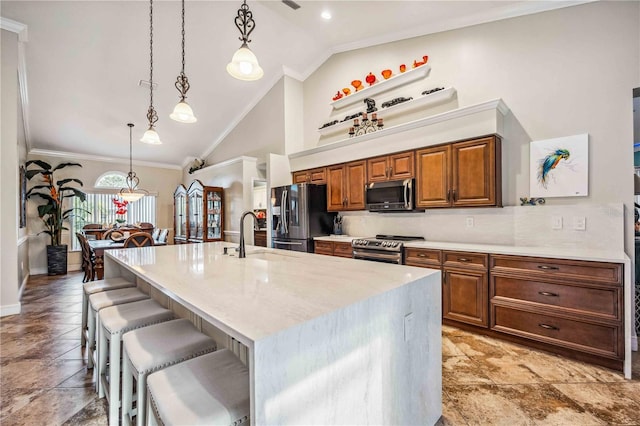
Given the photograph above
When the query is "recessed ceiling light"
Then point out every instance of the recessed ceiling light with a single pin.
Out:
(326, 15)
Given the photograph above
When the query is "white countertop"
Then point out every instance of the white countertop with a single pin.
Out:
(338, 238)
(268, 291)
(552, 252)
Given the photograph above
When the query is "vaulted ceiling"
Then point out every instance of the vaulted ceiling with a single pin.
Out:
(84, 61)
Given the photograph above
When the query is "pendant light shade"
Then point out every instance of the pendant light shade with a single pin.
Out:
(132, 193)
(182, 112)
(244, 64)
(151, 136)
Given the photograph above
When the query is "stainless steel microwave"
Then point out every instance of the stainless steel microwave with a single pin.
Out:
(392, 196)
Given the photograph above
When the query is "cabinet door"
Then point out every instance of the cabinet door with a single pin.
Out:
(401, 165)
(324, 247)
(464, 296)
(335, 188)
(342, 249)
(318, 176)
(474, 173)
(432, 186)
(301, 177)
(214, 213)
(356, 177)
(378, 169)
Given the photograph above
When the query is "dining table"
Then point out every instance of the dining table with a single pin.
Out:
(99, 247)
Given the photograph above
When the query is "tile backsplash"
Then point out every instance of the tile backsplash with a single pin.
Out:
(513, 225)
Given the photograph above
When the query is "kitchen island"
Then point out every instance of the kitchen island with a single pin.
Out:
(329, 340)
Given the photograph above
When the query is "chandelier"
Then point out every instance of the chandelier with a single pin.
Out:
(151, 136)
(132, 193)
(183, 112)
(244, 64)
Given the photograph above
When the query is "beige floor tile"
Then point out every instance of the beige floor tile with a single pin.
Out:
(51, 407)
(485, 405)
(507, 369)
(94, 414)
(14, 399)
(461, 370)
(478, 345)
(449, 348)
(450, 414)
(610, 403)
(38, 374)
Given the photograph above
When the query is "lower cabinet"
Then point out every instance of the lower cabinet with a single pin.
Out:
(333, 248)
(260, 238)
(570, 307)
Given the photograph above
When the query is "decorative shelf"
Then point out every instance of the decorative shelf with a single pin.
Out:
(382, 86)
(424, 101)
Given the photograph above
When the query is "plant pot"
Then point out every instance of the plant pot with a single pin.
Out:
(57, 260)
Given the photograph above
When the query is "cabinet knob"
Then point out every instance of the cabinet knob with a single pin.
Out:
(421, 255)
(390, 171)
(463, 259)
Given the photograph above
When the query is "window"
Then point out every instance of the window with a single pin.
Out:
(99, 207)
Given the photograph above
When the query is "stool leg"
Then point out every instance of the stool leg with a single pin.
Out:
(151, 416)
(127, 390)
(91, 335)
(102, 361)
(85, 303)
(114, 379)
(141, 390)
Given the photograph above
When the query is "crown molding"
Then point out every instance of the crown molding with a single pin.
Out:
(15, 27)
(77, 156)
(226, 163)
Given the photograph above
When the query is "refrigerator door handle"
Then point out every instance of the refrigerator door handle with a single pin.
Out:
(288, 243)
(283, 214)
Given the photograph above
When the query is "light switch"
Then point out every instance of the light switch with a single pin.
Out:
(556, 222)
(408, 326)
(579, 223)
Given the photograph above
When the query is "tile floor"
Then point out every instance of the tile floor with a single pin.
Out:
(43, 376)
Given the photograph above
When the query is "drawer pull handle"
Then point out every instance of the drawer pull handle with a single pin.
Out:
(548, 268)
(546, 293)
(548, 327)
(421, 255)
(463, 259)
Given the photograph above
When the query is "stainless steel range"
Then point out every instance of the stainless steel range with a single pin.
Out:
(382, 248)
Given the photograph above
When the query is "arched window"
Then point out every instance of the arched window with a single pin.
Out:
(111, 180)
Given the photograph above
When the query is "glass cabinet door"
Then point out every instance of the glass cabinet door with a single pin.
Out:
(180, 225)
(195, 208)
(214, 213)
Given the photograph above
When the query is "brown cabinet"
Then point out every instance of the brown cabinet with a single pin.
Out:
(465, 284)
(333, 248)
(346, 186)
(180, 215)
(391, 167)
(427, 258)
(260, 238)
(570, 304)
(460, 174)
(205, 209)
(317, 176)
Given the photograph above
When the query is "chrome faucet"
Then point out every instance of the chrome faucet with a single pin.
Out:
(243, 253)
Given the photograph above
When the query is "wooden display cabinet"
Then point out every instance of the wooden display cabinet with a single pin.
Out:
(205, 206)
(180, 215)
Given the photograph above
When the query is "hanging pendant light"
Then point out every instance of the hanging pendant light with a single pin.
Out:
(183, 112)
(244, 64)
(151, 136)
(132, 193)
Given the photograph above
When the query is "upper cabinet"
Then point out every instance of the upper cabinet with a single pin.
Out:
(391, 167)
(346, 186)
(317, 176)
(206, 212)
(180, 222)
(461, 174)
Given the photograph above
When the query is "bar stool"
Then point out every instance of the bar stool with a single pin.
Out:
(96, 287)
(210, 389)
(152, 348)
(114, 322)
(101, 300)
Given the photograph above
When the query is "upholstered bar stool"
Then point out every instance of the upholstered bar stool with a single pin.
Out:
(152, 348)
(96, 287)
(101, 300)
(211, 389)
(114, 322)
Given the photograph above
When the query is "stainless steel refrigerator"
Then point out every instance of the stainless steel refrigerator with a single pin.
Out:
(299, 213)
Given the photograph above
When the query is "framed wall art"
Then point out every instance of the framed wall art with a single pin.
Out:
(559, 167)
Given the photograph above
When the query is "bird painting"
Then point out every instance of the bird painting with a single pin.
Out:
(550, 162)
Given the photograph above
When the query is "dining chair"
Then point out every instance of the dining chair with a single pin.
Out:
(139, 239)
(156, 234)
(88, 258)
(164, 233)
(114, 235)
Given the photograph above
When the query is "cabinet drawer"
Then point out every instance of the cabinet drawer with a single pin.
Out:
(599, 339)
(318, 175)
(462, 259)
(323, 247)
(342, 249)
(559, 268)
(601, 302)
(423, 257)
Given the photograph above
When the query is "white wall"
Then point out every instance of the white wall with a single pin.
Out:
(155, 180)
(562, 72)
(9, 282)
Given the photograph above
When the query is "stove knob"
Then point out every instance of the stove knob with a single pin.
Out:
(395, 244)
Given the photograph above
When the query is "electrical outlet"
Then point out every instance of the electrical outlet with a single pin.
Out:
(579, 223)
(408, 326)
(469, 222)
(556, 222)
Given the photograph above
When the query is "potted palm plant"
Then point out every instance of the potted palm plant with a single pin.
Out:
(53, 212)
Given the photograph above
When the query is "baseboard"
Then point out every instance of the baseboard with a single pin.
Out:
(9, 310)
(38, 271)
(634, 343)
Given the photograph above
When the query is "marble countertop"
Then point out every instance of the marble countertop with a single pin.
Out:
(268, 291)
(552, 252)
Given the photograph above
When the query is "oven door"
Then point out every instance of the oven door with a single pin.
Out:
(378, 256)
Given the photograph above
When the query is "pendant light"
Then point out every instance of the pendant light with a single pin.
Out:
(244, 64)
(151, 136)
(183, 112)
(132, 193)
